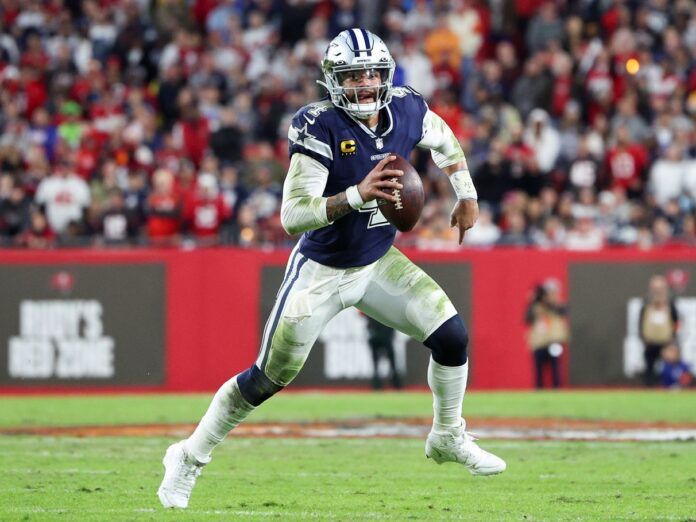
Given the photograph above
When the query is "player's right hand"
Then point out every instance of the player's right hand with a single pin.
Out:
(378, 179)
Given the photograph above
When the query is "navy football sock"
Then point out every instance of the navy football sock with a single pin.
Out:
(255, 387)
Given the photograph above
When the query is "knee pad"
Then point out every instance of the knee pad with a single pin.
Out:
(448, 343)
(255, 386)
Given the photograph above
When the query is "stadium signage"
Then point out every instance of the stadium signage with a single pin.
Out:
(89, 324)
(61, 338)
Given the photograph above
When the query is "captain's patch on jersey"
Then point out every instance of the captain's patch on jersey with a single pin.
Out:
(348, 147)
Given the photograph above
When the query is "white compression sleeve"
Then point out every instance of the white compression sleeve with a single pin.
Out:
(439, 138)
(448, 384)
(227, 409)
(303, 206)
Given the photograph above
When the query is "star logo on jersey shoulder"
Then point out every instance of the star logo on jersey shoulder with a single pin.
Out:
(302, 135)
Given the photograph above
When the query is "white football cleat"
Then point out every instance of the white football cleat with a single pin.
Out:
(180, 473)
(458, 446)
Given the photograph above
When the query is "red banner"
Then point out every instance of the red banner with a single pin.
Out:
(212, 321)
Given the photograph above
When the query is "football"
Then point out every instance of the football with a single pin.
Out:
(405, 212)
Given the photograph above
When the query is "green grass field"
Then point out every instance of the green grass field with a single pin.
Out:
(136, 409)
(115, 478)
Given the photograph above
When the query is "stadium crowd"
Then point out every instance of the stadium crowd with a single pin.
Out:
(165, 121)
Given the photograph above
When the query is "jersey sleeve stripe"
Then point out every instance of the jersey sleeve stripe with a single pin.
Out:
(298, 149)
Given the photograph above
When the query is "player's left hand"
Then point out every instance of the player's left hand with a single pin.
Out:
(464, 214)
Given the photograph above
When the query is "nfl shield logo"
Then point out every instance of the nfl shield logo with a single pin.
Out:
(379, 143)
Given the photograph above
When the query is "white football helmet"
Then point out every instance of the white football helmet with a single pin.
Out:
(357, 50)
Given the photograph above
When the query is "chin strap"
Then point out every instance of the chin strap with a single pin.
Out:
(364, 115)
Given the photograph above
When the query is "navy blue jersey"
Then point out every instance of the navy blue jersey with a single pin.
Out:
(350, 151)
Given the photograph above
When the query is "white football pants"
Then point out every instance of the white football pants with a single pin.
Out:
(392, 290)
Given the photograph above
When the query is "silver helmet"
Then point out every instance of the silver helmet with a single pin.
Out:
(351, 51)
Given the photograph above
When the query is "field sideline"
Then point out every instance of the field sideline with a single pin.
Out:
(115, 478)
(626, 405)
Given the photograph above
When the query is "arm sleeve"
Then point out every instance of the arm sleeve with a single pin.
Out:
(439, 138)
(303, 206)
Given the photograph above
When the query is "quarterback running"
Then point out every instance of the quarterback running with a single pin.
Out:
(339, 152)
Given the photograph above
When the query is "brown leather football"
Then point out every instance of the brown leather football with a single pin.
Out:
(405, 212)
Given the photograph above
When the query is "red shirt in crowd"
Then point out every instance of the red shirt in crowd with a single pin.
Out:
(561, 94)
(206, 214)
(192, 135)
(625, 164)
(164, 219)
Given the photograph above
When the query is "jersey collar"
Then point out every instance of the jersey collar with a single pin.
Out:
(368, 131)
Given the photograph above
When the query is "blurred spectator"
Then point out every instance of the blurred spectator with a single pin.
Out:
(570, 132)
(442, 46)
(381, 340)
(65, 197)
(626, 161)
(39, 234)
(15, 206)
(164, 210)
(221, 20)
(667, 176)
(192, 131)
(485, 232)
(207, 210)
(264, 199)
(168, 94)
(544, 28)
(135, 197)
(515, 231)
(420, 19)
(548, 330)
(534, 87)
(43, 133)
(552, 235)
(469, 22)
(658, 326)
(417, 68)
(584, 170)
(234, 194)
(543, 139)
(585, 235)
(608, 91)
(117, 223)
(493, 179)
(675, 372)
(72, 126)
(627, 116)
(227, 141)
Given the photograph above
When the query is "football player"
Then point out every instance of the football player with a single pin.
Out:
(339, 151)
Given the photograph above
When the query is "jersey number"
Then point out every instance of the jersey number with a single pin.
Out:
(377, 219)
